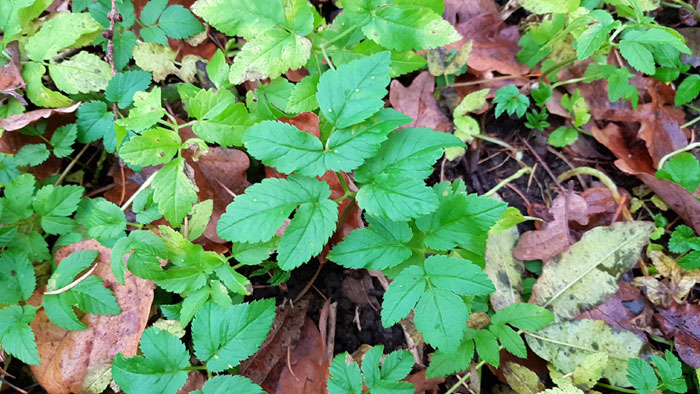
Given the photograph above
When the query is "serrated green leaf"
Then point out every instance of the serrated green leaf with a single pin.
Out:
(509, 99)
(57, 201)
(510, 340)
(201, 213)
(174, 192)
(33, 245)
(671, 372)
(153, 34)
(683, 239)
(32, 155)
(17, 277)
(344, 376)
(396, 365)
(595, 36)
(224, 337)
(240, 17)
(106, 222)
(178, 22)
(638, 56)
(402, 295)
(123, 85)
(459, 276)
(269, 55)
(83, 73)
(527, 317)
(487, 347)
(303, 97)
(62, 31)
(147, 111)
(18, 199)
(218, 69)
(383, 244)
(8, 168)
(441, 317)
(16, 336)
(57, 224)
(95, 121)
(354, 91)
(642, 376)
(406, 27)
(152, 147)
(310, 229)
(221, 119)
(162, 364)
(550, 6)
(224, 384)
(152, 10)
(124, 43)
(63, 139)
(443, 364)
(39, 94)
(688, 90)
(683, 169)
(562, 136)
(10, 22)
(194, 302)
(396, 197)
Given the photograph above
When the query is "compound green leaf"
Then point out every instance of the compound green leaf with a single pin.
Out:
(402, 295)
(224, 384)
(354, 91)
(123, 85)
(178, 22)
(221, 119)
(225, 337)
(241, 17)
(63, 139)
(269, 55)
(16, 336)
(64, 30)
(441, 317)
(312, 226)
(642, 376)
(162, 364)
(83, 73)
(443, 364)
(381, 245)
(17, 277)
(174, 192)
(344, 376)
(147, 111)
(57, 201)
(153, 147)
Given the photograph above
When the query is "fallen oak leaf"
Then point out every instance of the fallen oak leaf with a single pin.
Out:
(72, 361)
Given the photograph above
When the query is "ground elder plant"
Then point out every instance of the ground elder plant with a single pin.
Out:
(430, 240)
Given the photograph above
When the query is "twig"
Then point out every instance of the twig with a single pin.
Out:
(113, 16)
(71, 165)
(72, 284)
(146, 184)
(4, 381)
(508, 180)
(546, 167)
(308, 285)
(289, 363)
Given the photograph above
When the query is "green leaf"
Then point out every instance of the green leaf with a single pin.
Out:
(218, 69)
(18, 199)
(224, 384)
(683, 169)
(8, 168)
(225, 337)
(670, 371)
(550, 6)
(441, 317)
(638, 56)
(658, 36)
(124, 43)
(344, 376)
(402, 295)
(221, 119)
(162, 365)
(147, 111)
(563, 136)
(39, 94)
(642, 376)
(201, 213)
(10, 22)
(63, 139)
(240, 17)
(33, 245)
(153, 147)
(158, 59)
(487, 347)
(32, 155)
(83, 73)
(396, 197)
(443, 364)
(383, 244)
(16, 336)
(95, 121)
(690, 261)
(528, 317)
(64, 30)
(16, 277)
(396, 365)
(256, 215)
(153, 34)
(178, 22)
(688, 90)
(404, 27)
(57, 224)
(57, 201)
(303, 97)
(457, 275)
(510, 340)
(683, 239)
(269, 55)
(123, 85)
(151, 12)
(106, 222)
(595, 36)
(174, 192)
(509, 99)
(144, 260)
(354, 91)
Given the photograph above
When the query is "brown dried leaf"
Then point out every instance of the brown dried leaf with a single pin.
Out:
(457, 11)
(555, 237)
(358, 290)
(675, 284)
(72, 361)
(418, 102)
(10, 73)
(681, 323)
(16, 122)
(422, 384)
(620, 309)
(676, 197)
(195, 381)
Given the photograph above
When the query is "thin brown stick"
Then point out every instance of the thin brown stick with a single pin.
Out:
(12, 386)
(308, 285)
(289, 363)
(71, 165)
(72, 284)
(544, 165)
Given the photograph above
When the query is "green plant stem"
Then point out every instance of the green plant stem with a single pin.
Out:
(516, 175)
(690, 123)
(620, 389)
(328, 59)
(495, 141)
(464, 378)
(196, 368)
(339, 36)
(569, 81)
(689, 7)
(596, 173)
(344, 184)
(559, 65)
(668, 156)
(71, 165)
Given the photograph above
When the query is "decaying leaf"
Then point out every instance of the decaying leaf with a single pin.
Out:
(620, 309)
(16, 122)
(555, 237)
(585, 275)
(680, 200)
(567, 344)
(80, 361)
(10, 73)
(675, 284)
(681, 323)
(521, 379)
(504, 270)
(418, 102)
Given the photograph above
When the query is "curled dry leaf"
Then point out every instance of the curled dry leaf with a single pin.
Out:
(418, 102)
(675, 196)
(19, 121)
(681, 323)
(675, 284)
(587, 274)
(10, 73)
(504, 270)
(79, 361)
(555, 237)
